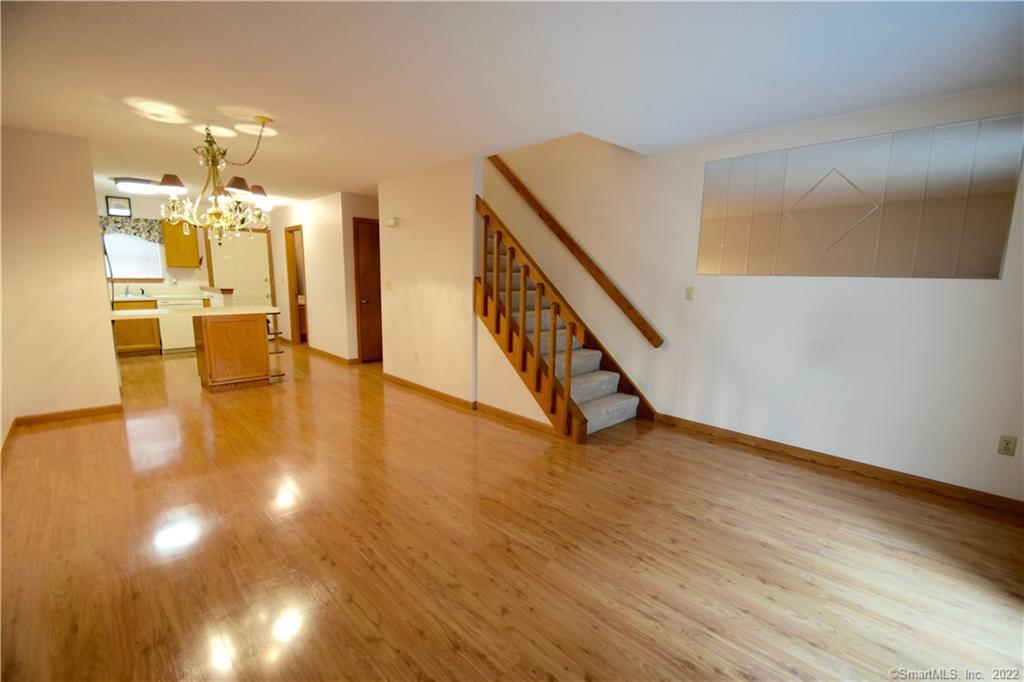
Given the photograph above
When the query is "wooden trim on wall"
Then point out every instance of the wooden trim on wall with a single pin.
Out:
(292, 279)
(791, 452)
(331, 356)
(270, 267)
(602, 279)
(96, 411)
(516, 419)
(433, 393)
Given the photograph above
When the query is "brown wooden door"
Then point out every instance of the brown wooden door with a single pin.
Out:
(368, 318)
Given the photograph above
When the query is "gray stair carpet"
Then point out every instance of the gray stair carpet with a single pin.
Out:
(594, 390)
(530, 286)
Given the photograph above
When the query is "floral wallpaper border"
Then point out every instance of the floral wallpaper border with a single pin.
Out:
(149, 229)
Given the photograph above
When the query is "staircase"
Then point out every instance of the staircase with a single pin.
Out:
(538, 331)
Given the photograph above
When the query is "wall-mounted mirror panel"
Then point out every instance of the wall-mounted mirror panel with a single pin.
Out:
(933, 202)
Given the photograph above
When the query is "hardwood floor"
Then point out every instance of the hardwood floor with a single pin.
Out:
(336, 526)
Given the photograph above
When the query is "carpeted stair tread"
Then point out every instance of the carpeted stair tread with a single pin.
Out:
(609, 410)
(530, 286)
(594, 385)
(583, 360)
(545, 321)
(530, 295)
(545, 340)
(503, 263)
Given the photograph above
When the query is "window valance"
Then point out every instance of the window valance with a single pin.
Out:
(149, 229)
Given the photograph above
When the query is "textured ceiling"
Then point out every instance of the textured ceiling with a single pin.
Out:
(362, 92)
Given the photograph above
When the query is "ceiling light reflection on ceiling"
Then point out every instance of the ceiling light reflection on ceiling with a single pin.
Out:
(287, 625)
(240, 112)
(136, 186)
(155, 110)
(151, 106)
(174, 119)
(287, 494)
(254, 129)
(219, 131)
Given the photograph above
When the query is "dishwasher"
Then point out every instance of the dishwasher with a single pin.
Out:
(176, 330)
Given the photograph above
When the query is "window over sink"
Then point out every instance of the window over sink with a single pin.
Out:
(131, 257)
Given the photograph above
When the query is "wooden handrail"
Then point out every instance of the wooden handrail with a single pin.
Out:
(576, 250)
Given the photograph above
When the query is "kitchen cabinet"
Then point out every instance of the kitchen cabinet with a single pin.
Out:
(180, 250)
(136, 336)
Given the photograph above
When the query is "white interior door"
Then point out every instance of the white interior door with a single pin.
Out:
(242, 264)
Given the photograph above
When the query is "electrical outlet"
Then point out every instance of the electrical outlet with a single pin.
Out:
(689, 293)
(1007, 445)
(416, 357)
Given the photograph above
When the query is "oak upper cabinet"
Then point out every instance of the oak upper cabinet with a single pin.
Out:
(136, 336)
(180, 250)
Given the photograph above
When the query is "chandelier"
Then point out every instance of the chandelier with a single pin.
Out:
(233, 208)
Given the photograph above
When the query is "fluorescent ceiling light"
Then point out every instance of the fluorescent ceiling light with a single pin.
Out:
(254, 129)
(136, 186)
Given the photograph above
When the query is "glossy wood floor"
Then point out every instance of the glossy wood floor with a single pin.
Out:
(333, 526)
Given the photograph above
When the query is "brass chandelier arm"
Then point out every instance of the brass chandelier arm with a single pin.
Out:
(263, 124)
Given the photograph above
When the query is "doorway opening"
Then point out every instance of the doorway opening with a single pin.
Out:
(296, 260)
(366, 243)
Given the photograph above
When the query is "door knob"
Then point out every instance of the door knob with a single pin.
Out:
(362, 300)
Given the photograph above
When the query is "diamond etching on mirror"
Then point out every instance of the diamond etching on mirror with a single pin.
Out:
(831, 209)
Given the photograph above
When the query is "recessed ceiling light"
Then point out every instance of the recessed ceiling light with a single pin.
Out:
(254, 129)
(136, 186)
(218, 131)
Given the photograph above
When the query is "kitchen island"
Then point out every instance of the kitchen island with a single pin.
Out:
(231, 342)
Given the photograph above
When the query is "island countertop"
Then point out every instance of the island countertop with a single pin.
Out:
(154, 313)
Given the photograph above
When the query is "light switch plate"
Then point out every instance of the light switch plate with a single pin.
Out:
(689, 293)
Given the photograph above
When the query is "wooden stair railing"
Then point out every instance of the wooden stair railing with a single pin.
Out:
(508, 324)
(638, 320)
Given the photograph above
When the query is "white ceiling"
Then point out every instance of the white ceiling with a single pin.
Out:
(363, 92)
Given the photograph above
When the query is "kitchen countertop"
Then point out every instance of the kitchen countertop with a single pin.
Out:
(162, 297)
(151, 313)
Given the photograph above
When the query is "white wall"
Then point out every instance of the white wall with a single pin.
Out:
(498, 383)
(58, 348)
(326, 295)
(921, 376)
(330, 269)
(427, 276)
(6, 418)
